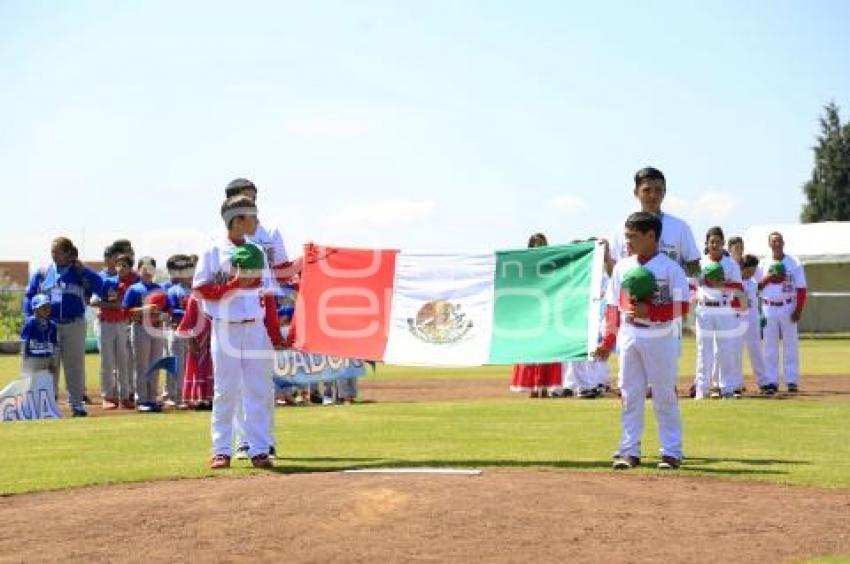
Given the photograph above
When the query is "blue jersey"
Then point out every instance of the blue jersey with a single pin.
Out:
(166, 285)
(104, 274)
(135, 295)
(67, 287)
(40, 337)
(178, 295)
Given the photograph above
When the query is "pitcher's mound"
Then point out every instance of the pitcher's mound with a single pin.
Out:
(498, 516)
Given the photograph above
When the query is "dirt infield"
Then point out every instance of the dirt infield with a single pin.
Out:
(499, 516)
(441, 389)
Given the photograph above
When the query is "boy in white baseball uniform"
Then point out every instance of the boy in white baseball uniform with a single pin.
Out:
(718, 329)
(647, 293)
(232, 278)
(783, 299)
(750, 274)
(282, 269)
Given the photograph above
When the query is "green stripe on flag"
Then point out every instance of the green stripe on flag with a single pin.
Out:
(542, 300)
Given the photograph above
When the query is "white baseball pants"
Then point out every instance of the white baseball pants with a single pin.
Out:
(242, 362)
(780, 327)
(718, 336)
(650, 360)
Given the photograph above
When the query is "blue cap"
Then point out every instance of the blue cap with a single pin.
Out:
(39, 300)
(286, 310)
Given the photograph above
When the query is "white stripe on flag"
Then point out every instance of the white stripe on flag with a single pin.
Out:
(457, 327)
(596, 308)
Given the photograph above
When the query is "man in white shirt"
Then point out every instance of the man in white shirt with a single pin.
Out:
(677, 239)
(783, 298)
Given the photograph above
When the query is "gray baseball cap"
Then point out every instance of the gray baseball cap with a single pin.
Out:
(237, 185)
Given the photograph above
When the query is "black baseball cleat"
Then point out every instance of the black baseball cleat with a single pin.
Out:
(669, 463)
(589, 393)
(767, 390)
(793, 388)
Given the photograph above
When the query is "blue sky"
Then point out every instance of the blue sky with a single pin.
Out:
(436, 125)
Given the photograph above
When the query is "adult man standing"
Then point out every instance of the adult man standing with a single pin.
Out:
(67, 282)
(783, 299)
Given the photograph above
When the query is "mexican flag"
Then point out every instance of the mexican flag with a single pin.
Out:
(451, 309)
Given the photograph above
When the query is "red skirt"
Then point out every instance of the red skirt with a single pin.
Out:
(198, 377)
(536, 377)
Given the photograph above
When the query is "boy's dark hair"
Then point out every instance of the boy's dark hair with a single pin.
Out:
(124, 259)
(109, 252)
(648, 173)
(122, 244)
(736, 240)
(644, 222)
(235, 207)
(713, 232)
(65, 245)
(537, 240)
(749, 261)
(124, 247)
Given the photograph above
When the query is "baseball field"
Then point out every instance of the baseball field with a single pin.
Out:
(764, 479)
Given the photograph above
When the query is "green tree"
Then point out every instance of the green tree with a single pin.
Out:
(828, 191)
(11, 318)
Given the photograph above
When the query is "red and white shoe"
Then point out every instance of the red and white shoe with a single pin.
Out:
(220, 461)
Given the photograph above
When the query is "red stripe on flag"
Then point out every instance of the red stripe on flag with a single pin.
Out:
(343, 307)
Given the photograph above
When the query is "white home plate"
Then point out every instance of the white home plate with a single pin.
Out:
(446, 471)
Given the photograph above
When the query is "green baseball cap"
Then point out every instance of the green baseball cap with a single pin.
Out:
(248, 257)
(639, 283)
(776, 269)
(714, 271)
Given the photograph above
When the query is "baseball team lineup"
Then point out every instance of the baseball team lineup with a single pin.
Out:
(221, 316)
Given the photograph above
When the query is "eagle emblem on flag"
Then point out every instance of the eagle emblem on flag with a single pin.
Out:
(439, 322)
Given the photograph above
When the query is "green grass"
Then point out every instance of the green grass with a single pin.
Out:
(818, 358)
(799, 442)
(791, 442)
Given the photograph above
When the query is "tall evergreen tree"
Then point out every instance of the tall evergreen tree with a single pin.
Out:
(828, 190)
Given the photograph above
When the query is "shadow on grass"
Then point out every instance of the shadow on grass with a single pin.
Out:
(750, 461)
(754, 467)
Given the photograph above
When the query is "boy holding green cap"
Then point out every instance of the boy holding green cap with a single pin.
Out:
(647, 294)
(718, 327)
(234, 284)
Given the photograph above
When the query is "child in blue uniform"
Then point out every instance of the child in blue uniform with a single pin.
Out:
(40, 339)
(181, 270)
(145, 303)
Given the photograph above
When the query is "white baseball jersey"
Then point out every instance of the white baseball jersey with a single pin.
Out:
(677, 241)
(731, 273)
(214, 267)
(272, 244)
(649, 357)
(795, 277)
(751, 288)
(669, 276)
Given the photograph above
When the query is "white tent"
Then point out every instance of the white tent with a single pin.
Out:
(824, 250)
(811, 243)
